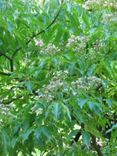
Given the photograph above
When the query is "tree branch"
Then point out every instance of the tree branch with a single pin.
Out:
(75, 140)
(95, 146)
(27, 42)
(8, 58)
(38, 33)
(5, 74)
(11, 65)
(12, 100)
(78, 134)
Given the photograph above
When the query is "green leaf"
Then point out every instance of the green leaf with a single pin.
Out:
(92, 129)
(56, 110)
(46, 133)
(82, 102)
(86, 138)
(66, 111)
(29, 86)
(114, 127)
(5, 143)
(26, 134)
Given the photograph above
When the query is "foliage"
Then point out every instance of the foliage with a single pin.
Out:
(58, 78)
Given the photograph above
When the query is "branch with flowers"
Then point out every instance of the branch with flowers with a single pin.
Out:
(11, 59)
(11, 63)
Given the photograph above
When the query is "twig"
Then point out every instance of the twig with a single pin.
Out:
(14, 99)
(95, 146)
(39, 33)
(8, 58)
(77, 137)
(11, 65)
(75, 140)
(27, 42)
(5, 74)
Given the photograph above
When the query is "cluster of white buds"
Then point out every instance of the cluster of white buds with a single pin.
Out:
(87, 83)
(79, 85)
(54, 85)
(98, 44)
(60, 75)
(39, 43)
(44, 95)
(112, 4)
(94, 55)
(37, 110)
(109, 17)
(73, 40)
(94, 81)
(40, 1)
(4, 109)
(50, 49)
(95, 51)
(91, 3)
(77, 43)
(49, 91)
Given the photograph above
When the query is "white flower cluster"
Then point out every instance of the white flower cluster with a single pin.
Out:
(49, 91)
(50, 49)
(73, 40)
(91, 4)
(77, 43)
(60, 75)
(87, 83)
(108, 3)
(37, 110)
(98, 44)
(109, 17)
(39, 43)
(94, 55)
(4, 109)
(95, 50)
(59, 84)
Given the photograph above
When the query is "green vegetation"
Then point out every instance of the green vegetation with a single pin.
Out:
(58, 78)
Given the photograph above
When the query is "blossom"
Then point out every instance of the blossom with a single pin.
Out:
(87, 83)
(58, 84)
(72, 41)
(60, 74)
(39, 43)
(5, 109)
(77, 43)
(109, 17)
(90, 3)
(50, 49)
(49, 92)
(98, 44)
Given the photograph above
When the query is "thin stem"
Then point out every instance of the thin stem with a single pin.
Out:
(38, 33)
(5, 74)
(95, 146)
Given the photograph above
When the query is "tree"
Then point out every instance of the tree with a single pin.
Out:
(58, 78)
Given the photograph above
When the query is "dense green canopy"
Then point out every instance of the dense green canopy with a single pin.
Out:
(58, 78)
